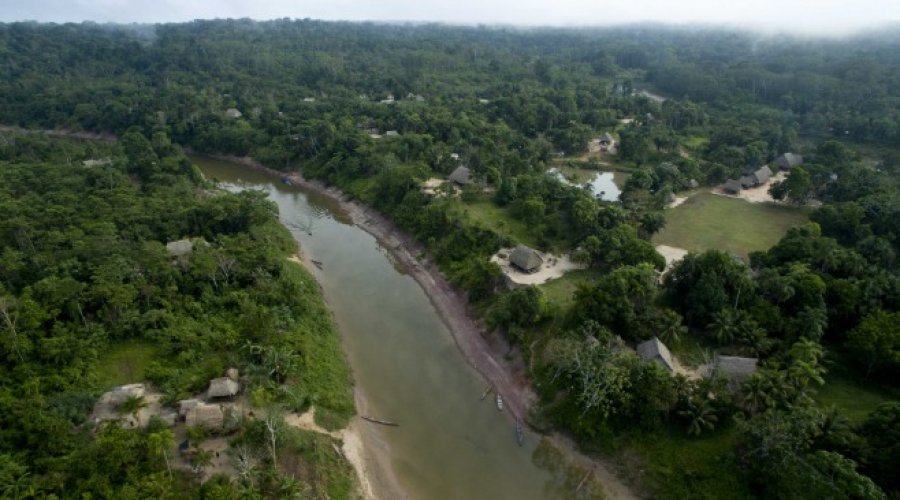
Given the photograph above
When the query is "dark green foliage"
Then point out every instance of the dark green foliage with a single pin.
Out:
(84, 267)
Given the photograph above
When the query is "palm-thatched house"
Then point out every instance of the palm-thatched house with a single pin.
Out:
(732, 186)
(180, 248)
(205, 415)
(222, 387)
(788, 161)
(233, 113)
(735, 369)
(654, 350)
(526, 259)
(756, 177)
(461, 175)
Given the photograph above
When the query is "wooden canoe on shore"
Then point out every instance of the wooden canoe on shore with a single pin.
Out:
(487, 390)
(380, 421)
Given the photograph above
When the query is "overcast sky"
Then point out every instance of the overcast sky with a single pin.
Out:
(805, 16)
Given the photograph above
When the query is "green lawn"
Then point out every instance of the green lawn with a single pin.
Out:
(561, 292)
(677, 466)
(707, 221)
(125, 364)
(854, 397)
(500, 220)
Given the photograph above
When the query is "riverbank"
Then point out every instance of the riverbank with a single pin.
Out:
(488, 354)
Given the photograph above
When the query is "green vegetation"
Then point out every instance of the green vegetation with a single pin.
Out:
(124, 364)
(678, 466)
(87, 273)
(91, 297)
(710, 222)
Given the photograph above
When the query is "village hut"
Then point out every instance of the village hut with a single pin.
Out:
(391, 133)
(734, 369)
(461, 176)
(222, 387)
(180, 248)
(606, 139)
(233, 113)
(186, 405)
(526, 259)
(788, 161)
(654, 350)
(205, 415)
(691, 184)
(732, 186)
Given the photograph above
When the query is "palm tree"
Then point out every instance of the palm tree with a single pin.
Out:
(160, 442)
(724, 326)
(702, 416)
(200, 460)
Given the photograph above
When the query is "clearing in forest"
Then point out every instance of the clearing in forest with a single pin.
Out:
(707, 221)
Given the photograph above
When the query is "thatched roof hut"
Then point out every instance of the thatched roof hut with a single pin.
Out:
(733, 186)
(461, 176)
(205, 415)
(526, 259)
(222, 387)
(735, 369)
(654, 350)
(180, 248)
(233, 113)
(788, 161)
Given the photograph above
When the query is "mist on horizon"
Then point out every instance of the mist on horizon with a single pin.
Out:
(802, 17)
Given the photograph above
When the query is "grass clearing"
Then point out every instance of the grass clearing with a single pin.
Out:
(853, 396)
(708, 221)
(677, 466)
(125, 363)
(500, 220)
(561, 292)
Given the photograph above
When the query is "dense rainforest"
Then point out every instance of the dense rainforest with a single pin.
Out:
(85, 274)
(377, 110)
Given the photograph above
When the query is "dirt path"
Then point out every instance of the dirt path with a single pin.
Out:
(486, 353)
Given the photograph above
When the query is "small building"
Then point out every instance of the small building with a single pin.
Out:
(233, 113)
(205, 415)
(461, 175)
(754, 177)
(180, 248)
(388, 100)
(735, 369)
(309, 99)
(391, 133)
(96, 162)
(222, 387)
(654, 350)
(788, 161)
(526, 259)
(691, 184)
(732, 186)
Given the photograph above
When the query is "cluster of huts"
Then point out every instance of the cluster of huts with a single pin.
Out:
(216, 410)
(734, 369)
(752, 177)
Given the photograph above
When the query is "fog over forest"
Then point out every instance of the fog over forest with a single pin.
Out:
(825, 17)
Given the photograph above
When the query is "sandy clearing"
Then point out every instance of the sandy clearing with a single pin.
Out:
(671, 254)
(351, 445)
(554, 267)
(677, 201)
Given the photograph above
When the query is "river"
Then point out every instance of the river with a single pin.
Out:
(449, 445)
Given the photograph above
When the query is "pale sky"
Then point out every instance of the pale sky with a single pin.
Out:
(800, 16)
